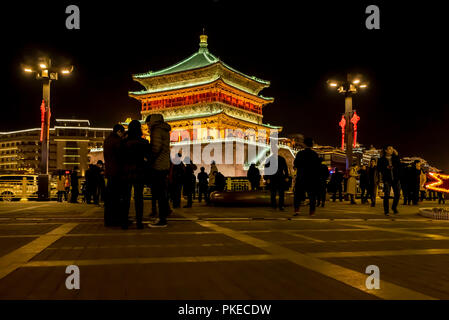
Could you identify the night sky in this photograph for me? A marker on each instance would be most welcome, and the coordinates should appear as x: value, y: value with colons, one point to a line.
x: 296, y: 46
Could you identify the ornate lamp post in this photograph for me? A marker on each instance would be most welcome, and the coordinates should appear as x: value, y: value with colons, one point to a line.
x: 349, y: 120
x: 45, y: 72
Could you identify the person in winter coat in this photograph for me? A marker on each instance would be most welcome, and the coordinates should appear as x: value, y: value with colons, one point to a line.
x: 307, y: 164
x: 253, y: 176
x: 351, y: 188
x: 202, y: 184
x: 276, y: 178
x: 135, y: 151
x: 60, y: 187
x: 160, y: 164
x: 422, y: 185
x: 389, y: 166
x: 213, y: 169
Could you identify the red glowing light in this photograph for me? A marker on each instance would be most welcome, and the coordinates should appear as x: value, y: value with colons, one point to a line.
x: 42, y: 120
x: 342, y: 124
x: 439, y: 183
x: 355, y: 118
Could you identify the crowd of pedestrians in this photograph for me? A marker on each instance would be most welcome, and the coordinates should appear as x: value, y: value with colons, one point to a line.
x: 132, y: 162
x: 312, y: 181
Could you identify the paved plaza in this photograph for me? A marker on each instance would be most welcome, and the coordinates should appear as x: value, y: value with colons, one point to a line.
x: 223, y: 253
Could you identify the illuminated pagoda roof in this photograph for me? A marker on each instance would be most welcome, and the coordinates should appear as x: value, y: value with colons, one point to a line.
x: 203, y: 67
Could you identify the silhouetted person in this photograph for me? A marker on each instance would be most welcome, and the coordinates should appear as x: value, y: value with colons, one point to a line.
x: 414, y: 180
x: 189, y: 181
x: 113, y: 194
x: 363, y: 176
x: 202, y: 184
x: 101, y: 181
x: 277, y: 178
x: 74, y: 181
x: 92, y: 182
x: 404, y: 177
x: 373, y: 181
x: 422, y: 185
x: 176, y: 180
x: 253, y: 176
x: 211, y: 188
x: 336, y: 185
x: 389, y: 169
x: 323, y: 175
x: 135, y: 151
x: 220, y: 181
x: 307, y: 164
x: 160, y: 164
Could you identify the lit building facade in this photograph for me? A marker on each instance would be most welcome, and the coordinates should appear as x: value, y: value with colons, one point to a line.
x: 72, y: 143
x: 207, y: 102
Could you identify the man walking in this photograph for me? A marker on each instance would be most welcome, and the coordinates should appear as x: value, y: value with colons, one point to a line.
x: 307, y: 164
x: 389, y: 168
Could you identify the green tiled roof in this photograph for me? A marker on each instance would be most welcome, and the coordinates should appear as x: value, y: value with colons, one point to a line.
x: 200, y: 59
x: 144, y: 92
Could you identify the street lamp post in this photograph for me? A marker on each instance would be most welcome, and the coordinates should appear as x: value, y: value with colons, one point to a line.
x: 349, y: 87
x: 45, y: 72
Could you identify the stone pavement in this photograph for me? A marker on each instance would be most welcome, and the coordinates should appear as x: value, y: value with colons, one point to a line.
x: 223, y: 253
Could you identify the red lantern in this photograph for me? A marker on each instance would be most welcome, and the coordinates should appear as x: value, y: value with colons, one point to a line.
x: 342, y: 124
x: 42, y: 120
x: 355, y: 118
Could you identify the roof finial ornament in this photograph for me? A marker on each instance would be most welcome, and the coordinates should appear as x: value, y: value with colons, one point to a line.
x: 203, y: 42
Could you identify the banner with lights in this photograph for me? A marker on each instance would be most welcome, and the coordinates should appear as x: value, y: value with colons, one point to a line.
x: 439, y: 183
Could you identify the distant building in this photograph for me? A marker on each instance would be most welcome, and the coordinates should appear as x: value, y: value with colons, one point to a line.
x: 71, y: 143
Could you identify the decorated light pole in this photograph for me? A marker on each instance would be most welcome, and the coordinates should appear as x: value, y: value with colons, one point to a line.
x: 45, y: 72
x: 349, y: 120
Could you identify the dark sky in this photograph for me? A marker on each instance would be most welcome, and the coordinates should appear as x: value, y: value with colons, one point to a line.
x: 297, y: 46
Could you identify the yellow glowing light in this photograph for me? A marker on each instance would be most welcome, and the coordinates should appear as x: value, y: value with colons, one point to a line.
x: 363, y: 86
x: 437, y: 185
x: 65, y: 71
x: 28, y: 70
x: 43, y: 66
x: 356, y: 81
x: 333, y: 84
